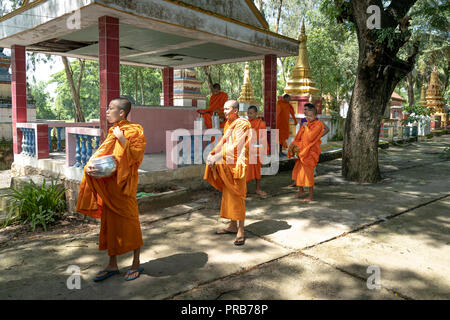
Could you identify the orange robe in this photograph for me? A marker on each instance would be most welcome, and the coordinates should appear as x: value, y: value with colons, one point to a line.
x: 216, y: 103
x: 254, y: 169
x: 113, y: 199
x: 229, y: 176
x: 308, y: 141
x: 282, y: 120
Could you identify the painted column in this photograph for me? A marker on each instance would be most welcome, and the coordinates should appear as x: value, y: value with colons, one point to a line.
x: 270, y: 89
x: 19, y: 93
x: 109, y: 66
x: 168, y: 86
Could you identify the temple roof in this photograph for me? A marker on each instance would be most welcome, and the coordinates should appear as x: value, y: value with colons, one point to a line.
x: 155, y: 33
x: 396, y: 100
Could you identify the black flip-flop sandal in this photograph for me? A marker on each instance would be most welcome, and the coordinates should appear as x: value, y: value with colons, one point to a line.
x: 239, y: 243
x: 225, y: 231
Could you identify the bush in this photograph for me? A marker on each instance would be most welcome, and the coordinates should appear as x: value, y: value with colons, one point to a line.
x: 445, y: 154
x: 429, y: 136
x: 39, y: 205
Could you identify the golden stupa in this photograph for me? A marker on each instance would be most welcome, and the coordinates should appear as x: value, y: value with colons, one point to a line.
x: 301, y: 83
x: 246, y: 95
x: 434, y: 99
x: 423, y: 100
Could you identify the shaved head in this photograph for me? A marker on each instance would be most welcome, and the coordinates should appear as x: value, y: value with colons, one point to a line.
x: 230, y: 107
x: 123, y: 104
x: 232, y: 103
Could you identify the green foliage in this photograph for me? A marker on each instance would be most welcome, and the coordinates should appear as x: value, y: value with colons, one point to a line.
x: 429, y: 136
x: 415, y: 113
x: 143, y: 84
x: 89, y: 95
x: 42, y: 101
x: 39, y: 205
x: 386, y: 35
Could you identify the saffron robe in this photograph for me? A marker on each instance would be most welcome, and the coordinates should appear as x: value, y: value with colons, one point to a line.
x: 229, y: 177
x: 113, y: 199
x: 216, y: 104
x: 308, y: 142
x: 259, y: 138
x: 283, y: 110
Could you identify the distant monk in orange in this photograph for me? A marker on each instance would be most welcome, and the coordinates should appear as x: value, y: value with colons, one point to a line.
x: 113, y: 198
x: 227, y: 167
x: 258, y: 148
x: 216, y: 104
x: 306, y: 149
x: 284, y: 108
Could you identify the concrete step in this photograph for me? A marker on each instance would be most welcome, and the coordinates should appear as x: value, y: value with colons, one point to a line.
x: 158, y: 200
x: 5, y: 202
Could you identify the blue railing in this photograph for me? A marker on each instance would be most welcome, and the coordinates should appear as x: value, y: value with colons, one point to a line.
x: 84, y: 148
x: 60, y: 132
x: 28, y: 142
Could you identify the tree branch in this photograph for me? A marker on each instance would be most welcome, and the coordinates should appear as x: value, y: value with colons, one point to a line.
x: 80, y: 76
x: 399, y: 8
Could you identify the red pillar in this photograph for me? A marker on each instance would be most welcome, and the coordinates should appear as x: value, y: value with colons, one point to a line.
x: 168, y: 86
x: 270, y: 89
x: 19, y: 93
x: 109, y: 66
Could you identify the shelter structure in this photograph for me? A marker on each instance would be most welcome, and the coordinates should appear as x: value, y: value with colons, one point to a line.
x: 166, y: 34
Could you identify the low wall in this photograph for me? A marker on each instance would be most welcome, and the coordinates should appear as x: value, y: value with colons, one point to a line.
x: 157, y: 120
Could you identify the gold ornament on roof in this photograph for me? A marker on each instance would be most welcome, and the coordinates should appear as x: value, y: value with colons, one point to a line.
x: 246, y: 95
x: 301, y: 83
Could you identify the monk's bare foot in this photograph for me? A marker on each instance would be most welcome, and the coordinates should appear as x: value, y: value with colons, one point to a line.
x: 107, y: 268
x: 308, y: 199
x: 292, y: 185
x: 299, y: 194
x: 134, y: 271
x: 227, y: 230
x: 261, y: 193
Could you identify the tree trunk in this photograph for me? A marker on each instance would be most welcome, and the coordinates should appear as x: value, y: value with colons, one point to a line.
x: 142, y: 87
x: 283, y: 61
x: 278, y: 16
x: 379, y: 71
x: 209, y: 81
x: 79, y: 117
x: 410, y: 85
x: 136, y: 98
x: 260, y: 5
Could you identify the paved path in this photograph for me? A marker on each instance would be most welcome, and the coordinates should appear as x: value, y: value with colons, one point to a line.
x: 320, y: 250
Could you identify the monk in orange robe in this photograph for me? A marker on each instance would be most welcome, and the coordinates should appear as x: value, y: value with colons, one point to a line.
x: 226, y: 170
x: 216, y: 104
x: 113, y: 198
x: 306, y: 149
x: 284, y: 108
x: 258, y: 148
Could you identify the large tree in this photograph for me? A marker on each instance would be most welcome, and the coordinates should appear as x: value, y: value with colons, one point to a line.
x: 379, y: 70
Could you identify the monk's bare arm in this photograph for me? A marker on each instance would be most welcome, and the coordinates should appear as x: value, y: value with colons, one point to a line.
x: 325, y: 129
x: 292, y: 112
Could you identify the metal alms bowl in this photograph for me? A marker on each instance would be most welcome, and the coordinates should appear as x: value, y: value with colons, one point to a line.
x: 106, y: 166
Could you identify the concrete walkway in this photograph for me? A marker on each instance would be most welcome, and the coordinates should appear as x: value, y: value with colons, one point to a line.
x: 320, y: 250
